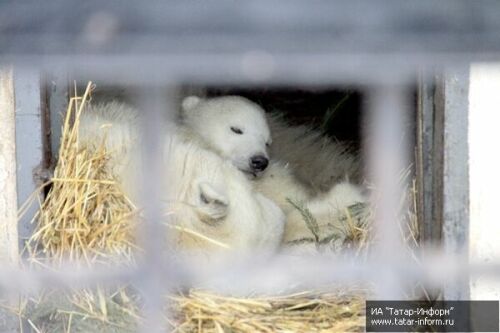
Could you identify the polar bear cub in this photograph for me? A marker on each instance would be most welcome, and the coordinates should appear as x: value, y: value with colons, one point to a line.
x: 329, y: 209
x: 212, y: 206
x: 233, y: 127
x: 237, y: 130
x: 240, y: 131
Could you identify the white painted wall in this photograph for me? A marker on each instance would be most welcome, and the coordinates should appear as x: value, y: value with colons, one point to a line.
x: 8, y: 195
x: 484, y: 144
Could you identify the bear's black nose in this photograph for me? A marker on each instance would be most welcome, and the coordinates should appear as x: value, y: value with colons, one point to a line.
x: 259, y: 163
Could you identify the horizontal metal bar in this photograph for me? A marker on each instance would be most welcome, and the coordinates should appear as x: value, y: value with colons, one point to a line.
x: 255, y: 275
x: 169, y: 27
x: 205, y: 68
x: 28, y: 281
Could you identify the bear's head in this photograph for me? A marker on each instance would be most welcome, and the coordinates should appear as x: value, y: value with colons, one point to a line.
x: 234, y: 127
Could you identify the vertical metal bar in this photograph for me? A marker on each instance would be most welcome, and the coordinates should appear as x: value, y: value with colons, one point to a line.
x: 385, y: 145
x: 29, y: 141
x: 154, y: 106
x: 453, y: 104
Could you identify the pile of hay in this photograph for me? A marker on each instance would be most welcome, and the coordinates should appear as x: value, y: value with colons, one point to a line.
x: 301, y: 312
x: 86, y: 216
x: 118, y: 311
x: 112, y: 310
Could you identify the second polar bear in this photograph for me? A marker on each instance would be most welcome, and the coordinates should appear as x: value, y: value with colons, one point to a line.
x: 237, y: 129
x: 212, y: 206
x: 328, y: 209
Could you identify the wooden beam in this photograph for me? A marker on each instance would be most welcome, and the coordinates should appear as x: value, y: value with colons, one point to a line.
x: 429, y: 227
x: 29, y: 142
x: 56, y: 101
x: 452, y: 169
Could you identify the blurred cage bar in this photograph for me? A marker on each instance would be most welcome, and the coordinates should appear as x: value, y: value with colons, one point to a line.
x: 383, y: 46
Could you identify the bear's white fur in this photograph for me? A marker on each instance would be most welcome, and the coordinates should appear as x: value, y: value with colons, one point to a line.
x: 305, y: 167
x: 316, y: 160
x: 232, y: 126
x: 206, y: 194
x: 279, y: 184
x: 327, y: 209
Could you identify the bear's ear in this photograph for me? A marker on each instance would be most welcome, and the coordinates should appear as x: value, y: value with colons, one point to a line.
x: 213, y: 203
x: 190, y: 103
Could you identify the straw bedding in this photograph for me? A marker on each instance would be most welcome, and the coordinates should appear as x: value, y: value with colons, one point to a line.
x: 86, y: 218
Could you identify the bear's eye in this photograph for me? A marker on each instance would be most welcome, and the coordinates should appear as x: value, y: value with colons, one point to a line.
x: 236, y: 130
x: 268, y: 144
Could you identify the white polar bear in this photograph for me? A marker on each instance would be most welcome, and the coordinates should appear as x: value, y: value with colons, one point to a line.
x: 232, y: 126
x: 316, y: 160
x: 329, y: 209
x: 213, y: 204
x: 237, y: 129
